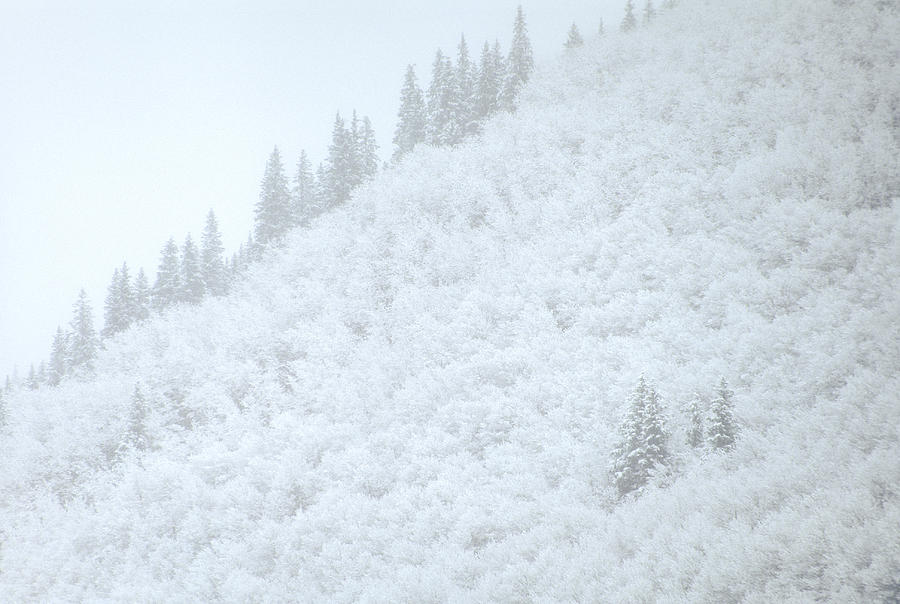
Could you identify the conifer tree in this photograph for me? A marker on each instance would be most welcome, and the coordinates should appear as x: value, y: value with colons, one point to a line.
x: 136, y: 436
x: 722, y: 430
x: 487, y: 89
x: 694, y: 410
x: 273, y: 210
x: 31, y: 382
x: 441, y: 102
x: 629, y: 22
x: 304, y: 193
x: 355, y: 176
x: 191, y: 273
x: 574, y: 40
x: 367, y: 150
x: 649, y: 12
x: 59, y: 358
x: 83, y: 344
x: 520, y: 63
x: 339, y: 164
x: 167, y: 288
x: 600, y: 30
x: 42, y: 373
x: 411, y: 116
x: 321, y: 187
x: 464, y: 117
x: 212, y: 263
x: 643, y: 445
x: 112, y: 308
x: 141, y: 297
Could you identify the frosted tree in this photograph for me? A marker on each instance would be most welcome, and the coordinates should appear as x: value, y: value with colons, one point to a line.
x: 574, y: 40
x: 31, y: 382
x: 112, y: 308
x: 59, y: 358
x: 649, y: 12
x: 464, y: 115
x: 83, y: 338
x: 212, y: 262
x: 191, y: 273
x: 119, y: 307
x: 410, y: 129
x: 643, y: 445
x: 694, y: 411
x: 600, y: 30
x: 354, y: 175
x: 167, y: 288
x: 273, y: 210
x: 136, y: 436
x: 629, y: 22
x: 440, y: 124
x: 489, y: 84
x: 42, y: 373
x: 367, y: 150
x: 520, y: 63
x: 722, y: 430
x: 339, y: 165
x: 141, y: 297
x: 321, y: 187
x: 304, y: 193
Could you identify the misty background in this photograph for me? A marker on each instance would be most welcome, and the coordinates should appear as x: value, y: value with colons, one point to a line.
x: 123, y: 124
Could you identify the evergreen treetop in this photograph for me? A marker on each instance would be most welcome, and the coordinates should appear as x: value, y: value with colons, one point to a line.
x: 574, y: 40
x: 273, y: 210
x: 410, y: 117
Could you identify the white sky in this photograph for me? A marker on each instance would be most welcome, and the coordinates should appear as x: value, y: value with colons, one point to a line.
x: 122, y: 123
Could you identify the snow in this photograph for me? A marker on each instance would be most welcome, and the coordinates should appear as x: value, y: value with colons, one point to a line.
x: 415, y: 398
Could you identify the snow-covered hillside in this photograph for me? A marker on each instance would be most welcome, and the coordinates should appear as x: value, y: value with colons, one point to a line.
x: 415, y: 399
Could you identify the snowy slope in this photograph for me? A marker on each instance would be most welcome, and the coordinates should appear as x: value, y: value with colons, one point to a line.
x: 415, y: 399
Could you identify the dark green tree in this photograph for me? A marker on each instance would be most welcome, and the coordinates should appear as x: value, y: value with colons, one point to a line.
x: 466, y: 122
x: 59, y: 358
x: 520, y: 63
x: 410, y: 117
x: 191, y: 273
x: 574, y: 40
x: 212, y: 262
x: 141, y: 297
x: 273, y: 210
x: 339, y: 165
x: 722, y: 431
x: 167, y: 289
x: 629, y: 22
x: 489, y: 84
x: 643, y: 446
x: 83, y: 339
x: 440, y: 126
x: 303, y: 196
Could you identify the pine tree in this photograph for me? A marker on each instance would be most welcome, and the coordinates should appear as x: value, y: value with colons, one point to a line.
x: 304, y: 193
x: 83, y: 344
x: 574, y: 40
x: 649, y: 12
x: 167, y: 288
x: 600, y: 30
x: 694, y: 410
x: 212, y: 263
x: 441, y: 102
x: 59, y: 358
x: 273, y: 210
x: 339, y: 164
x: 466, y: 122
x: 722, y: 430
x: 112, y: 308
x: 487, y: 89
x: 629, y: 22
x: 411, y: 116
x: 367, y: 150
x: 191, y: 273
x: 42, y: 373
x: 643, y: 446
x: 31, y: 382
x: 323, y: 194
x: 136, y: 437
x: 355, y: 176
x: 520, y: 63
x: 141, y: 297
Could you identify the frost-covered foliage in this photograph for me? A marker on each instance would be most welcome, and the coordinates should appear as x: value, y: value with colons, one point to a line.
x: 416, y: 397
